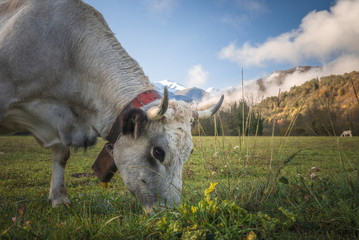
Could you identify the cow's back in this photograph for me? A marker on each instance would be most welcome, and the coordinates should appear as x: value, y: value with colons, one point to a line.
x: 61, y: 66
x: 35, y: 47
x: 36, y: 53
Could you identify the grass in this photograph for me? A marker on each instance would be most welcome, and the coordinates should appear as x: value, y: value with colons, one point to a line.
x: 265, y: 191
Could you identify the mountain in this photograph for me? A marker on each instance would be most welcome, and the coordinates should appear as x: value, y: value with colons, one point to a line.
x: 171, y: 86
x: 280, y: 78
x: 196, y: 94
x: 325, y: 106
x: 255, y: 90
x: 179, y: 92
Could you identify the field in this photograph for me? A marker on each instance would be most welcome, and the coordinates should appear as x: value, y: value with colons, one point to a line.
x: 268, y: 188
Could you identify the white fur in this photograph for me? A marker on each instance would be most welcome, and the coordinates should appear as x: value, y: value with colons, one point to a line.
x: 164, y: 180
x: 347, y: 133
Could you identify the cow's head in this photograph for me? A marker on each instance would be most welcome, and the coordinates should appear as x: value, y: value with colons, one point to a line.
x: 155, y: 143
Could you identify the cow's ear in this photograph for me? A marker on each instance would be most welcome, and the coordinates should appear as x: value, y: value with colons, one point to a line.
x: 134, y: 123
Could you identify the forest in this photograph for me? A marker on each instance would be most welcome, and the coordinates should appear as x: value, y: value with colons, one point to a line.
x: 319, y: 107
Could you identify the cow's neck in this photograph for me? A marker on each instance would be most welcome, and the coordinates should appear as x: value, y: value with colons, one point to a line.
x: 112, y: 77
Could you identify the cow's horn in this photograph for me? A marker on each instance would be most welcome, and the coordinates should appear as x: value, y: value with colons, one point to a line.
x: 208, y: 112
x: 156, y: 113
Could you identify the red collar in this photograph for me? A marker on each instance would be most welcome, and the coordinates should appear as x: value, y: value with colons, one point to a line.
x: 139, y: 101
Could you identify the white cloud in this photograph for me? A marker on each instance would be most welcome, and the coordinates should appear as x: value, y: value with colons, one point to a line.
x: 322, y: 36
x: 197, y: 76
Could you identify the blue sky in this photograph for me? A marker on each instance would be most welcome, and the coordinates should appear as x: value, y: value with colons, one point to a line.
x: 205, y: 43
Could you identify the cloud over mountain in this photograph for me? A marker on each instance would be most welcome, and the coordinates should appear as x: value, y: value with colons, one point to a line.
x: 197, y: 76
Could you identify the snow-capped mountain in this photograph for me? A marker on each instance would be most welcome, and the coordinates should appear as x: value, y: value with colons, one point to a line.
x: 255, y: 89
x: 179, y: 92
x: 196, y: 94
x: 171, y: 86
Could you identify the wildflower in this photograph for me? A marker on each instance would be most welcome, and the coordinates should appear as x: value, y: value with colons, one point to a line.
x: 184, y: 208
x: 213, y: 206
x: 208, y: 191
x: 193, y: 209
x: 194, y: 227
x: 162, y: 222
x: 201, y: 205
x: 251, y: 236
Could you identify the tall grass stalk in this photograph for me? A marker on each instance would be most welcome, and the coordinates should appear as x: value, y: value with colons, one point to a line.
x: 215, y: 132
x: 273, y: 128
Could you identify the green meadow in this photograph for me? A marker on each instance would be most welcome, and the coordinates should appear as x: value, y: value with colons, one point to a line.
x: 233, y: 188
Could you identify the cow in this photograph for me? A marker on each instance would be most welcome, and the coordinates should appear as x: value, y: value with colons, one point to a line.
x: 347, y: 133
x: 66, y: 79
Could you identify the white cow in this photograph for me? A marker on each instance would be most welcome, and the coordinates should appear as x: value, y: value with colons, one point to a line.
x: 347, y: 133
x: 66, y: 79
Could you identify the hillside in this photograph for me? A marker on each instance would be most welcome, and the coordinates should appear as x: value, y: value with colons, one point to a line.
x: 319, y: 107
x: 325, y: 106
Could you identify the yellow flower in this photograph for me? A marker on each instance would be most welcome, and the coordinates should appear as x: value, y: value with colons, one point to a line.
x: 208, y: 191
x: 194, y: 227
x: 162, y: 222
x: 251, y: 236
x: 194, y: 209
x: 183, y: 208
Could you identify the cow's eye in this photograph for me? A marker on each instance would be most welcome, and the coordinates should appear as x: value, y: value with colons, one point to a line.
x: 158, y: 153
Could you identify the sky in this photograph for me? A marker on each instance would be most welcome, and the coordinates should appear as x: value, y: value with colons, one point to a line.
x: 206, y: 43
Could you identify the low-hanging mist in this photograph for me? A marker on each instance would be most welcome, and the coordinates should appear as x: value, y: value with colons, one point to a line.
x: 257, y: 89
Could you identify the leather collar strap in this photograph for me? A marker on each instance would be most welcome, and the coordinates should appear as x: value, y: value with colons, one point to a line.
x: 139, y: 101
